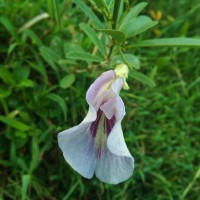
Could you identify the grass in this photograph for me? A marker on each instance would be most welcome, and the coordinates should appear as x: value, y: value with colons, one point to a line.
x: 161, y: 126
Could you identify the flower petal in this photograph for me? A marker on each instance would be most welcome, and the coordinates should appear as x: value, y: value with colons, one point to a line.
x: 78, y: 149
x: 117, y: 164
x: 108, y: 107
x: 115, y: 142
x: 113, y: 169
x: 99, y: 85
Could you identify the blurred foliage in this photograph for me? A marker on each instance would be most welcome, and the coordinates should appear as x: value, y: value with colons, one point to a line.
x: 42, y: 93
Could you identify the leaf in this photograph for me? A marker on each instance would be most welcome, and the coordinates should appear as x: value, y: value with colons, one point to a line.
x: 35, y: 153
x: 14, y: 123
x: 110, y: 5
x: 6, y: 76
x: 134, y: 12
x: 12, y: 47
x: 119, y: 36
x: 40, y: 68
x: 31, y: 34
x: 132, y: 60
x: 25, y: 183
x: 49, y: 56
x: 169, y: 42
x: 96, y: 22
x: 60, y: 101
x: 67, y: 81
x: 26, y: 83
x: 143, y: 78
x: 93, y: 36
x: 138, y: 25
x: 9, y: 26
x: 21, y: 73
x: 83, y: 56
x: 4, y: 92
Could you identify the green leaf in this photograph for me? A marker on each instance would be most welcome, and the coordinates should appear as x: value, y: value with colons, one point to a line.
x: 93, y: 36
x: 132, y: 60
x: 83, y: 56
x: 119, y: 36
x: 40, y: 68
x: 138, y: 25
x: 60, y: 101
x: 67, y: 81
x: 31, y: 34
x: 21, y: 73
x: 14, y: 123
x: 49, y: 56
x: 169, y: 42
x: 132, y: 13
x: 25, y: 183
x: 35, y: 153
x: 6, y: 76
x: 4, y: 91
x: 143, y: 78
x: 110, y: 5
x: 66, y: 61
x: 26, y: 83
x: 9, y: 26
x: 96, y: 22
x: 12, y: 47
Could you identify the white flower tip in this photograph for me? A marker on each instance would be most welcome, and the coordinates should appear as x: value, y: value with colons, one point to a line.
x: 122, y: 70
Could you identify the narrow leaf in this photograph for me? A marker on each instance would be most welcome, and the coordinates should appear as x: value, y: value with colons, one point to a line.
x: 25, y: 183
x: 93, y: 36
x: 49, y: 56
x: 9, y: 26
x: 83, y: 56
x: 35, y: 154
x: 60, y: 101
x: 143, y: 78
x: 31, y: 34
x: 14, y: 123
x: 169, y: 42
x: 89, y: 13
x: 132, y: 13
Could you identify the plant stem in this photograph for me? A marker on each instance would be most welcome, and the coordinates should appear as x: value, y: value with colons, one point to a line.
x: 123, y: 57
x: 115, y: 13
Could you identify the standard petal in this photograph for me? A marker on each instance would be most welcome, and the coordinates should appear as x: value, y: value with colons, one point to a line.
x: 114, y: 169
x: 99, y: 86
x: 78, y: 149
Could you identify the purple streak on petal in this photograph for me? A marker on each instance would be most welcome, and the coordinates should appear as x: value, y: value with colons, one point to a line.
x: 94, y: 124
x: 109, y: 124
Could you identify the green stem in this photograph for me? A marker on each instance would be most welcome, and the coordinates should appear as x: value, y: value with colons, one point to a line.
x: 116, y: 12
x: 123, y: 57
x: 110, y: 52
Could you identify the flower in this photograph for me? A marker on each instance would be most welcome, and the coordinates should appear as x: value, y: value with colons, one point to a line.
x: 97, y: 144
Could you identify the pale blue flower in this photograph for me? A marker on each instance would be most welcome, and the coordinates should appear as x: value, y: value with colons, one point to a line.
x: 97, y: 144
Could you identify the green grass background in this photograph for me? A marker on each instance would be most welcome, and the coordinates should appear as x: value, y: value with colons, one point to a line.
x: 161, y: 127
